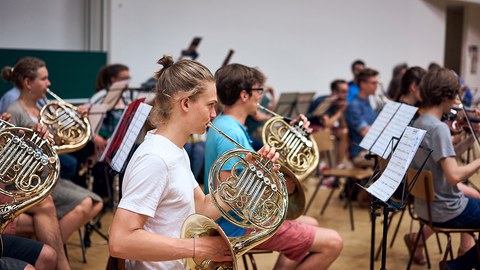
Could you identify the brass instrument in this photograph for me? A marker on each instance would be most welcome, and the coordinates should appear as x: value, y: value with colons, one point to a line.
x: 71, y: 130
x: 29, y: 169
x: 256, y: 195
x: 297, y: 149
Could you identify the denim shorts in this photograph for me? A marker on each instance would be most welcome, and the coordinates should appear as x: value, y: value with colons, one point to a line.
x: 468, y: 219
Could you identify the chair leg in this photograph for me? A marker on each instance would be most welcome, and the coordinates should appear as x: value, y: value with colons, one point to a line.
x: 329, y: 197
x: 425, y: 248
x: 82, y: 245
x: 439, y: 244
x: 397, y: 228
x: 245, y: 264
x: 412, y: 252
x: 313, y: 195
x: 252, y: 260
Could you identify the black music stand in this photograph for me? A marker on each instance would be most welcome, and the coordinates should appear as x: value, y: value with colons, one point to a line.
x: 390, y: 205
x: 293, y: 104
x: 96, y: 116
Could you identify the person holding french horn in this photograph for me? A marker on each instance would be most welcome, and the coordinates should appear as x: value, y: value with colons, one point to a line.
x: 75, y: 206
x: 302, y: 245
x: 159, y: 189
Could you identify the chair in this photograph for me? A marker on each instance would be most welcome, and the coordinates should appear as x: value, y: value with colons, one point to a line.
x: 250, y: 254
x: 326, y: 148
x: 423, y: 190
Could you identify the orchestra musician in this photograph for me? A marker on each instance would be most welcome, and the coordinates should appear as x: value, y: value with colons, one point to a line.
x: 302, y: 246
x: 39, y: 221
x: 451, y: 208
x: 409, y: 93
x: 75, y: 205
x: 159, y: 189
x: 329, y: 112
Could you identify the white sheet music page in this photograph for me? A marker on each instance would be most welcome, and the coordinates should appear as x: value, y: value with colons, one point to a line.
x: 134, y: 128
x: 403, y: 155
x: 379, y: 125
x: 395, y: 128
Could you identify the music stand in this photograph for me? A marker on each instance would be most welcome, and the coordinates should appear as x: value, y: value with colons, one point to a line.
x: 390, y: 180
x: 293, y: 104
x: 285, y: 104
x: 96, y: 115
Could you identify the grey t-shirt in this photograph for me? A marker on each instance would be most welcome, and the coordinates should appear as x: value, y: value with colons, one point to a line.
x: 449, y: 201
x: 20, y: 116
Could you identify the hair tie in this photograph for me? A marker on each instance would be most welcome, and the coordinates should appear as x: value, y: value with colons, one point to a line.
x: 168, y: 64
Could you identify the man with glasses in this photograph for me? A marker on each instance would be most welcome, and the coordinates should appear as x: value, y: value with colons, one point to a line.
x: 301, y: 243
x: 254, y: 123
x: 360, y: 114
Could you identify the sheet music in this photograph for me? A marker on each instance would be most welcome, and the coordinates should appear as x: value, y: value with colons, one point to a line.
x: 395, y: 171
x: 395, y: 128
x: 379, y: 125
x: 131, y: 136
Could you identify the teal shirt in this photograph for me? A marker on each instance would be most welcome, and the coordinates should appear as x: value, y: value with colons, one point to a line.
x: 215, y: 145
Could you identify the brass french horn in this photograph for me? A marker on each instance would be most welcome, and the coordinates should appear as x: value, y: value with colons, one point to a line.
x: 297, y: 149
x: 71, y: 131
x: 29, y: 169
x: 256, y: 199
x: 299, y: 156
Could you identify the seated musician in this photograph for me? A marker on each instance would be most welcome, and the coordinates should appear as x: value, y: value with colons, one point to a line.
x: 39, y: 221
x: 360, y: 115
x: 450, y: 208
x: 75, y: 205
x: 159, y: 189
x: 239, y: 89
x: 409, y: 93
x: 329, y: 112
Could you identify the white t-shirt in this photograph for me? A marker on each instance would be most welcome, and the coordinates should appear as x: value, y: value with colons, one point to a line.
x: 158, y: 183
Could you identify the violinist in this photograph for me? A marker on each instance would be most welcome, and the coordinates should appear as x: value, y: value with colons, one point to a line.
x: 453, y: 206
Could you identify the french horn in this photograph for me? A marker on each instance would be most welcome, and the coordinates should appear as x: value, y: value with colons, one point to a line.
x: 298, y: 153
x: 29, y: 170
x: 71, y: 131
x: 297, y: 149
x: 256, y: 199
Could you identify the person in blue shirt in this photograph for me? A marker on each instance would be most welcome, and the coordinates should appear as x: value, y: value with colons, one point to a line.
x: 360, y: 114
x: 353, y: 87
x: 240, y: 89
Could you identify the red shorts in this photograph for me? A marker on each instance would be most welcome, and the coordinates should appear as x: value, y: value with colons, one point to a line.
x: 293, y: 239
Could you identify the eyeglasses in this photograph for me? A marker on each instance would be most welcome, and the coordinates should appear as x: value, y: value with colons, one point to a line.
x: 259, y: 90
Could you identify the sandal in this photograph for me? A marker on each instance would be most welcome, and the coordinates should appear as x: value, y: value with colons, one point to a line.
x: 418, y: 259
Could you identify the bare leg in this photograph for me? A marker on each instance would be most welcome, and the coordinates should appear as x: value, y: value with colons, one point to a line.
x: 47, y: 259
x: 325, y: 249
x: 41, y: 221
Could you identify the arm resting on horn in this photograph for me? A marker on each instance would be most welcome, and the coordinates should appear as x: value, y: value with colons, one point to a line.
x: 129, y: 240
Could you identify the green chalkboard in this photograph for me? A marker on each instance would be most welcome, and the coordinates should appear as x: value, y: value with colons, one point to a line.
x: 72, y: 73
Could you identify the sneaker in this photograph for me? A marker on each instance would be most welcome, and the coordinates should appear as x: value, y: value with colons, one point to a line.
x: 328, y: 182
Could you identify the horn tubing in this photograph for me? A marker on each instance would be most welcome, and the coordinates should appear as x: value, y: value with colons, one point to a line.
x: 268, y: 110
x: 55, y: 95
x: 225, y: 135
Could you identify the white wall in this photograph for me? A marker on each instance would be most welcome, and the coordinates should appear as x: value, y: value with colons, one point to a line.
x: 471, y: 37
x: 300, y: 45
x: 43, y: 25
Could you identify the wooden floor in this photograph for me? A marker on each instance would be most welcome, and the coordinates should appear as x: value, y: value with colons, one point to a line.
x: 355, y: 254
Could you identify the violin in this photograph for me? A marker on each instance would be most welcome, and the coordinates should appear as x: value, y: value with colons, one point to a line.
x: 458, y: 123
